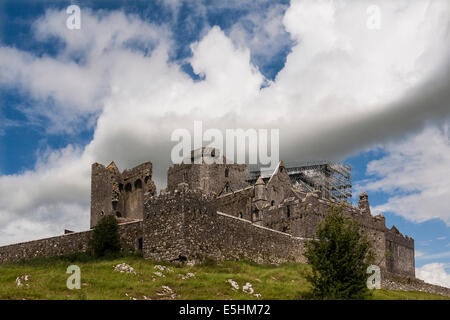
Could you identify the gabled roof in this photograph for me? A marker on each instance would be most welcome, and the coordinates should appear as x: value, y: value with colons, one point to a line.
x: 277, y: 170
x: 113, y: 168
x: 394, y: 228
x: 259, y: 181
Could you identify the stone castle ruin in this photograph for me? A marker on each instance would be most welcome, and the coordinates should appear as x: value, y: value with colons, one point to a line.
x: 224, y: 211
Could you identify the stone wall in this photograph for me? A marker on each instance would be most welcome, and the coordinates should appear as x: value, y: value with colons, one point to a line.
x: 163, y: 226
x: 101, y: 193
x: 228, y: 237
x: 238, y: 204
x: 299, y: 214
x: 391, y: 281
x: 130, y: 233
x: 185, y: 225
x: 210, y: 178
x: 400, y: 253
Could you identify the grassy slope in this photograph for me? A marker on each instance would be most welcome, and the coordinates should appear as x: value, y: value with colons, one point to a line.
x: 99, y: 281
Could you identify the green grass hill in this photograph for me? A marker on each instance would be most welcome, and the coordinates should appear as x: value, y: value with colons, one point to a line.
x: 209, y: 280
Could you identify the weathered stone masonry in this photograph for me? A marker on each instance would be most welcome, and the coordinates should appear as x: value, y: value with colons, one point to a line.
x: 185, y: 225
x: 130, y: 235
x: 209, y: 210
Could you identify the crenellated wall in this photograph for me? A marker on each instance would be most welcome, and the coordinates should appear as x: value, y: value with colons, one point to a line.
x: 399, y: 253
x: 212, y: 178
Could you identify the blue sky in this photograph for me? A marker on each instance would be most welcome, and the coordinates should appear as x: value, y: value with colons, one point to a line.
x: 316, y: 72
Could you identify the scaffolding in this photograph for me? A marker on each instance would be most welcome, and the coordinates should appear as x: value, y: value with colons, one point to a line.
x: 331, y: 178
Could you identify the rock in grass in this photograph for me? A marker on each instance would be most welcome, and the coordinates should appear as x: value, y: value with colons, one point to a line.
x: 124, y: 268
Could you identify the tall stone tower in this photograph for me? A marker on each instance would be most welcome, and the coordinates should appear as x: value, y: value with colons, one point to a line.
x: 121, y: 194
x: 363, y: 203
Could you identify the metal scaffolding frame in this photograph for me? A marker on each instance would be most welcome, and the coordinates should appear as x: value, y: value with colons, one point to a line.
x: 331, y: 178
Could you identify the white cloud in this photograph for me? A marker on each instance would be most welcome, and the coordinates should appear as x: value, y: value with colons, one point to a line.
x: 73, y: 84
x: 44, y: 201
x: 263, y: 33
x: 333, y: 96
x: 415, y: 173
x: 434, y: 273
x: 434, y: 256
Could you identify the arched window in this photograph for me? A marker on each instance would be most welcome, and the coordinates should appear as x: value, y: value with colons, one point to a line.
x: 240, y: 215
x: 227, y: 172
x: 128, y: 187
x: 138, y: 184
x: 272, y: 203
x: 147, y: 178
x: 120, y: 187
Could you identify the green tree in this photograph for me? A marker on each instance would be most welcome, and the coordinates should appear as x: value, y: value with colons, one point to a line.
x: 339, y: 256
x: 106, y: 239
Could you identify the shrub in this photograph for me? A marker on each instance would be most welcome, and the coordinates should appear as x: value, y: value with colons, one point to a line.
x: 339, y: 256
x: 106, y: 240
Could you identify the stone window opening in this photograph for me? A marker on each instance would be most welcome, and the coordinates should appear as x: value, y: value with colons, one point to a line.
x: 118, y: 214
x: 227, y: 172
x: 272, y: 203
x: 288, y: 211
x: 240, y: 215
x: 120, y: 186
x: 285, y: 229
x: 128, y: 187
x: 138, y: 184
x: 147, y: 178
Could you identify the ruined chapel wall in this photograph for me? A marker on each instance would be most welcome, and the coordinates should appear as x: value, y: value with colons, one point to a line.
x: 279, y: 187
x: 119, y: 194
x: 135, y: 183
